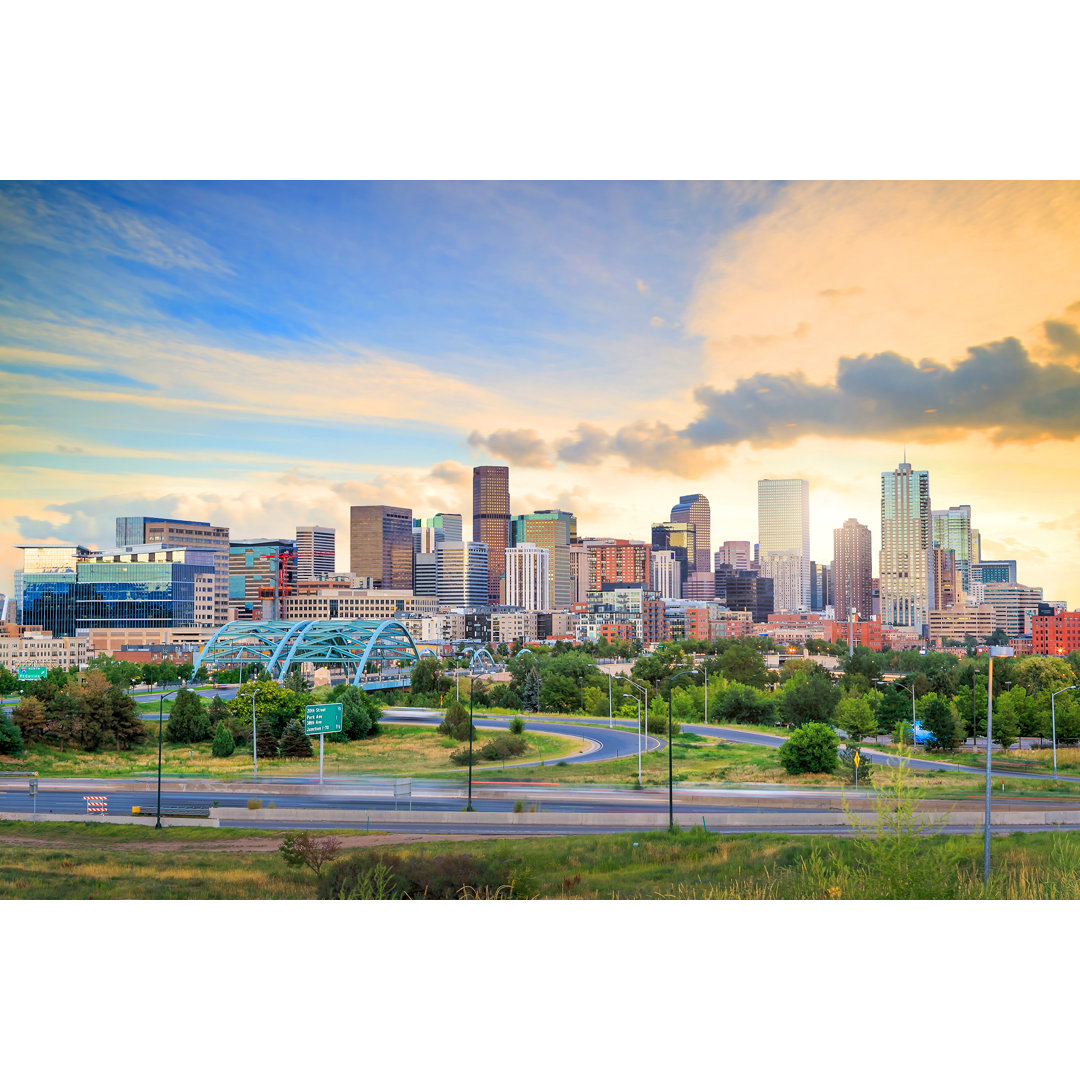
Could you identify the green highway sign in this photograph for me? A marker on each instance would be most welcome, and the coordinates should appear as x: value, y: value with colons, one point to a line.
x: 32, y: 674
x: 322, y: 719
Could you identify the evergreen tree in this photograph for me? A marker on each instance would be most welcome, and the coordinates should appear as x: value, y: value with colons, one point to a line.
x: 359, y: 713
x: 224, y: 744
x: 29, y: 714
x: 939, y: 717
x: 295, y: 681
x: 294, y: 743
x: 265, y: 741
x: 530, y: 697
x: 456, y: 722
x: 11, y: 743
x: 188, y: 721
x: 124, y: 723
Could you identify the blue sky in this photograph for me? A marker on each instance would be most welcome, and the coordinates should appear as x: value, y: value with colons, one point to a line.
x: 264, y: 354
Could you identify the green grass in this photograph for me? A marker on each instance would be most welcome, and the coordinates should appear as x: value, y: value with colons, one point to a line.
x: 79, y: 861
x: 403, y: 749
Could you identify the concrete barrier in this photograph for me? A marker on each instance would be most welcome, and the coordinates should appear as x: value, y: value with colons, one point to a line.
x: 111, y: 819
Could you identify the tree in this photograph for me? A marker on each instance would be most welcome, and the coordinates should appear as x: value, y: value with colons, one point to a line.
x: 294, y: 681
x: 740, y: 704
x: 9, y: 681
x: 854, y: 716
x: 863, y: 661
x: 11, y: 743
x: 846, y: 758
x: 1038, y: 673
x: 266, y: 744
x: 224, y: 744
x: 744, y: 664
x: 808, y: 699
x: 939, y: 717
x: 425, y: 675
x: 125, y: 727
x: 998, y: 637
x: 894, y: 707
x: 94, y: 709
x: 168, y: 672
x: 188, y: 720
x: 306, y: 849
x: 530, y: 697
x: 1010, y: 714
x: 294, y: 743
x: 456, y: 722
x: 360, y: 713
x: 29, y: 714
x: 559, y: 693
x: 811, y: 749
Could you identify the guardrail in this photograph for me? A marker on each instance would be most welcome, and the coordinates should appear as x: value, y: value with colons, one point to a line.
x: 171, y: 811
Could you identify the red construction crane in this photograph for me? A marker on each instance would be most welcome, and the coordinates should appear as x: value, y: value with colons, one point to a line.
x: 281, y: 579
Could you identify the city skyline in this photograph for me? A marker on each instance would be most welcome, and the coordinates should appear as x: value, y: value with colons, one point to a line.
x: 261, y: 356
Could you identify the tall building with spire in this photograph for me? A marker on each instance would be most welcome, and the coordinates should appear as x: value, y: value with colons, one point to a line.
x: 905, y: 562
x: 491, y: 520
x: 694, y: 510
x: 784, y: 541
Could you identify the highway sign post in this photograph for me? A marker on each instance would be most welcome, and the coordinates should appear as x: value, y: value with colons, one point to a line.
x: 322, y: 720
x: 857, y: 760
x: 32, y: 674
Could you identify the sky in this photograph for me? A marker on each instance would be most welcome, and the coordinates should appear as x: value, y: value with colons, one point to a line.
x: 263, y: 355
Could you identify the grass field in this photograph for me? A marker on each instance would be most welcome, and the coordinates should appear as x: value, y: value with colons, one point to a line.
x: 81, y: 861
x: 402, y: 749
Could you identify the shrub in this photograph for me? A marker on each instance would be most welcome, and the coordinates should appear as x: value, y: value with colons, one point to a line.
x: 448, y: 876
x: 517, y: 726
x: 460, y: 756
x: 811, y: 749
x: 504, y: 745
x: 847, y: 765
x: 254, y: 804
x: 658, y: 725
x: 11, y: 742
x: 306, y: 849
x: 519, y: 806
x: 224, y: 744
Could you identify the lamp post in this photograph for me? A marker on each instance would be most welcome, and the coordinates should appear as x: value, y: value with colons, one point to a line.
x: 472, y: 679
x: 581, y: 683
x: 1000, y: 651
x: 1053, y: 723
x: 160, y: 715
x: 670, y: 771
x: 645, y: 690
x: 254, y: 737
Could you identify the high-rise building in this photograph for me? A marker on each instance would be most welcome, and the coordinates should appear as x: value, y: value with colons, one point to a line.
x: 449, y: 523
x: 142, y: 585
x: 699, y: 586
x: 905, y: 565
x: 951, y: 531
x: 1015, y: 606
x: 253, y: 579
x: 463, y: 573
x: 694, y: 509
x: 315, y: 552
x: 976, y: 546
x: 381, y: 545
x: 666, y: 574
x: 738, y: 554
x: 135, y: 531
x: 570, y: 519
x: 821, y: 586
x: 528, y: 582
x: 427, y: 532
x: 491, y: 519
x: 946, y: 577
x: 45, y: 587
x: 680, y: 537
x: 579, y: 573
x: 617, y: 562
x: 745, y: 591
x: 550, y: 529
x: 425, y: 573
x: 852, y: 571
x: 784, y: 540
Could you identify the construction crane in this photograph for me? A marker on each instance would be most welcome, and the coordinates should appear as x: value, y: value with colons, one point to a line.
x: 281, y: 578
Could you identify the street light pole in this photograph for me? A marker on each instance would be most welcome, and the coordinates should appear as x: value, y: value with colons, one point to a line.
x: 254, y: 738
x: 1002, y: 651
x: 160, y: 714
x: 645, y: 690
x: 472, y: 679
x: 670, y: 771
x: 1053, y: 723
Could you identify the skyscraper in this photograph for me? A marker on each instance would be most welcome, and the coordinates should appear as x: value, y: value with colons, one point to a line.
x: 666, y: 574
x: 462, y: 573
x: 550, y: 529
x: 738, y: 554
x: 784, y: 541
x: 309, y: 540
x: 905, y: 566
x: 491, y: 519
x: 680, y: 537
x: 852, y: 570
x: 695, y: 510
x: 381, y: 545
x: 951, y: 530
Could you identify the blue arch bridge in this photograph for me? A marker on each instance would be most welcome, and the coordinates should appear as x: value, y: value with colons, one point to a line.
x: 374, y: 654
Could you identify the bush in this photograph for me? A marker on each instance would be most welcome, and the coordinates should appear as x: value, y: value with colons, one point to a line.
x: 306, y: 849
x: 11, y: 742
x: 504, y: 745
x: 517, y: 726
x: 658, y: 725
x: 811, y: 749
x: 254, y: 804
x: 414, y: 877
x: 224, y: 744
x: 847, y: 765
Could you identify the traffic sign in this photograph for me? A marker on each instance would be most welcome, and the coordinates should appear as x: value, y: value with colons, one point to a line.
x: 322, y: 719
x: 32, y: 674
